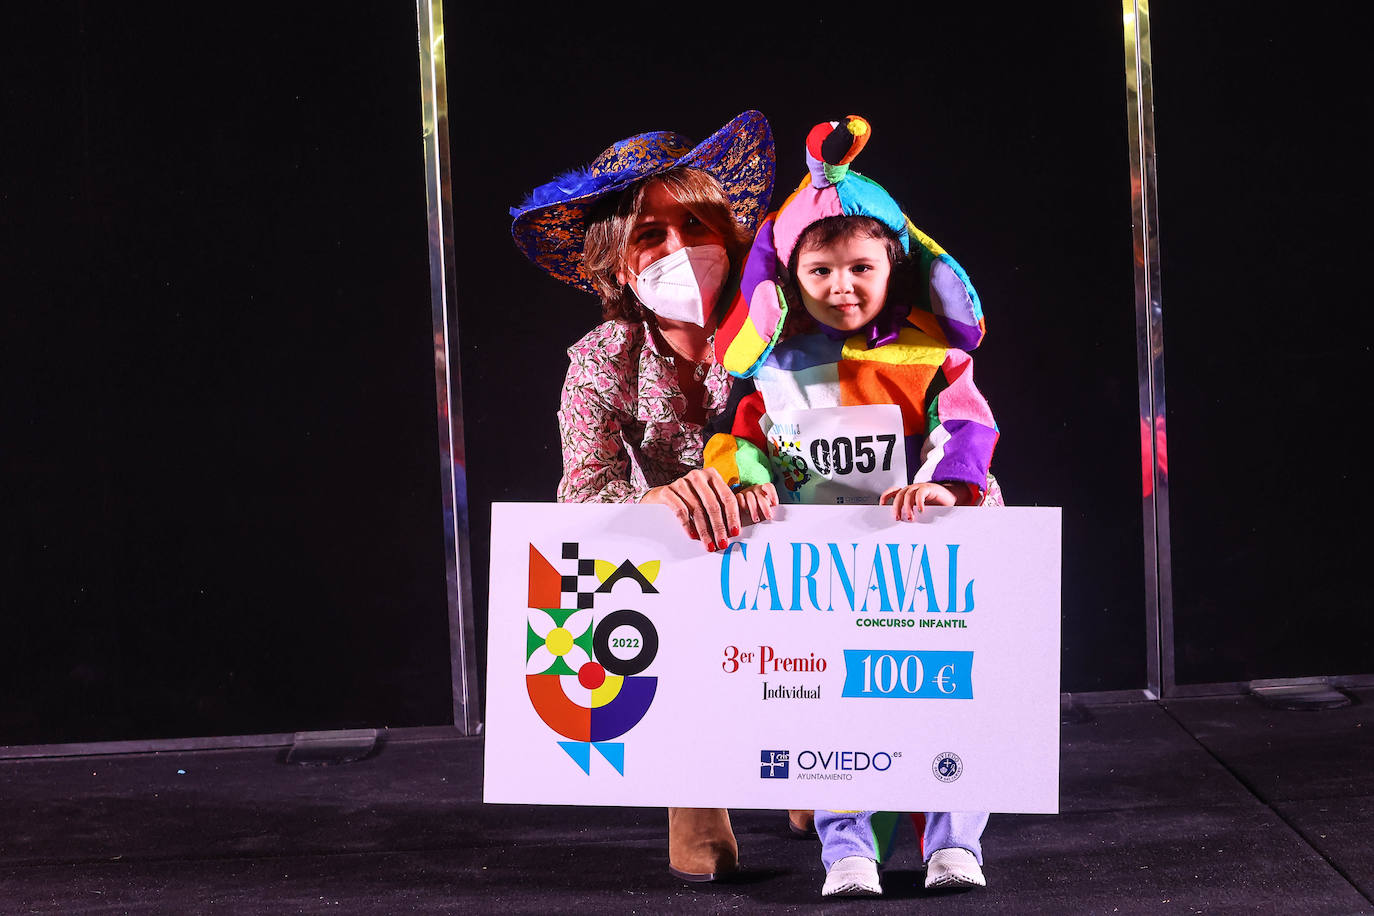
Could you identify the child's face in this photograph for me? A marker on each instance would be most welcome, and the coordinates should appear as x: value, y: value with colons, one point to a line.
x: 844, y: 284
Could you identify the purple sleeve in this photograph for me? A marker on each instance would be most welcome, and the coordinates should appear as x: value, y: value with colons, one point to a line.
x: 962, y: 433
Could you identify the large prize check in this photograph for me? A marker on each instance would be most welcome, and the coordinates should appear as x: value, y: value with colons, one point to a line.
x: 831, y: 658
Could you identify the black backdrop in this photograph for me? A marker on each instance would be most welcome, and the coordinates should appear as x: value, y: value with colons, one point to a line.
x: 220, y: 440
x: 221, y: 503
x: 1005, y: 140
x: 1264, y: 203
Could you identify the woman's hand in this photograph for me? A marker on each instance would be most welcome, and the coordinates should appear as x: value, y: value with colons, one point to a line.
x: 703, y: 504
x: 917, y: 496
x: 758, y: 500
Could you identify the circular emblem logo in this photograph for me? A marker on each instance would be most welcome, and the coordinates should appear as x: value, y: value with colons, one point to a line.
x: 947, y: 766
x: 647, y: 649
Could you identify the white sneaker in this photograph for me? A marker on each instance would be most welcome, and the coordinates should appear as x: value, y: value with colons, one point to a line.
x: 852, y: 876
x: 952, y: 868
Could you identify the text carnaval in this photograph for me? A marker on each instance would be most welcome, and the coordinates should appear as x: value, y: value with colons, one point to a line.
x: 894, y: 578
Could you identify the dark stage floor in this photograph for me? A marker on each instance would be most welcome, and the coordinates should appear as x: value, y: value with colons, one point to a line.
x: 1193, y: 806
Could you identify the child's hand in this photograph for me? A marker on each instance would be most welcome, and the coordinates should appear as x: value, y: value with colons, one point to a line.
x: 917, y: 495
x: 757, y: 500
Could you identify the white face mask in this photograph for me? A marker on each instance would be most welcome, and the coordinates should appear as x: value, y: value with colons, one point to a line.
x: 680, y: 285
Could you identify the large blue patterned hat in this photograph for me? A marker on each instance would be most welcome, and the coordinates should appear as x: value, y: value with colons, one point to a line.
x: 551, y: 224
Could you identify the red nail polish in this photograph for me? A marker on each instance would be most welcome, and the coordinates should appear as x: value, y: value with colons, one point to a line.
x: 724, y: 544
x: 734, y: 532
x: 710, y: 546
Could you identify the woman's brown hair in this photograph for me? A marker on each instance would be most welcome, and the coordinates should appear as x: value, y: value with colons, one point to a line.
x: 612, y: 219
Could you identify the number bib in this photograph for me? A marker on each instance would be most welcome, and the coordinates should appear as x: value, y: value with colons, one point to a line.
x: 837, y: 455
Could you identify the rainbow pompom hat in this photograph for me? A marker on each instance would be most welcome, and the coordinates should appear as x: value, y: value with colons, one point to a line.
x: 947, y: 308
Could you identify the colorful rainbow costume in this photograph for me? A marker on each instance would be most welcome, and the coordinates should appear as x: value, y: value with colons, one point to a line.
x: 913, y: 355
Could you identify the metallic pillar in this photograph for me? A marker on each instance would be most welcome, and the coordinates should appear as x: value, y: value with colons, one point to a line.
x: 447, y: 379
x: 1149, y: 348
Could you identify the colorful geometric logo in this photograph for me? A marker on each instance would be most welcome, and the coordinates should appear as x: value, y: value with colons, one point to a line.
x: 583, y: 674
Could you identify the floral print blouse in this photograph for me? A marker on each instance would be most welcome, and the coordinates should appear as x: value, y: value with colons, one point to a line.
x: 621, y: 416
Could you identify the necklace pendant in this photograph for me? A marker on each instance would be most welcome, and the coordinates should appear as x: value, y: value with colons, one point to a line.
x: 699, y: 372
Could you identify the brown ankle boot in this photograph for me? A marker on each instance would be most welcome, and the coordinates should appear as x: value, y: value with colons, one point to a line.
x: 701, y: 845
x: 803, y: 823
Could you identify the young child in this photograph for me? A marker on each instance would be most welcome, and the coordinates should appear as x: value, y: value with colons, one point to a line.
x: 868, y: 398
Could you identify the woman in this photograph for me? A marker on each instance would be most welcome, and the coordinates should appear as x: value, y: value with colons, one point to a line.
x: 657, y: 228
